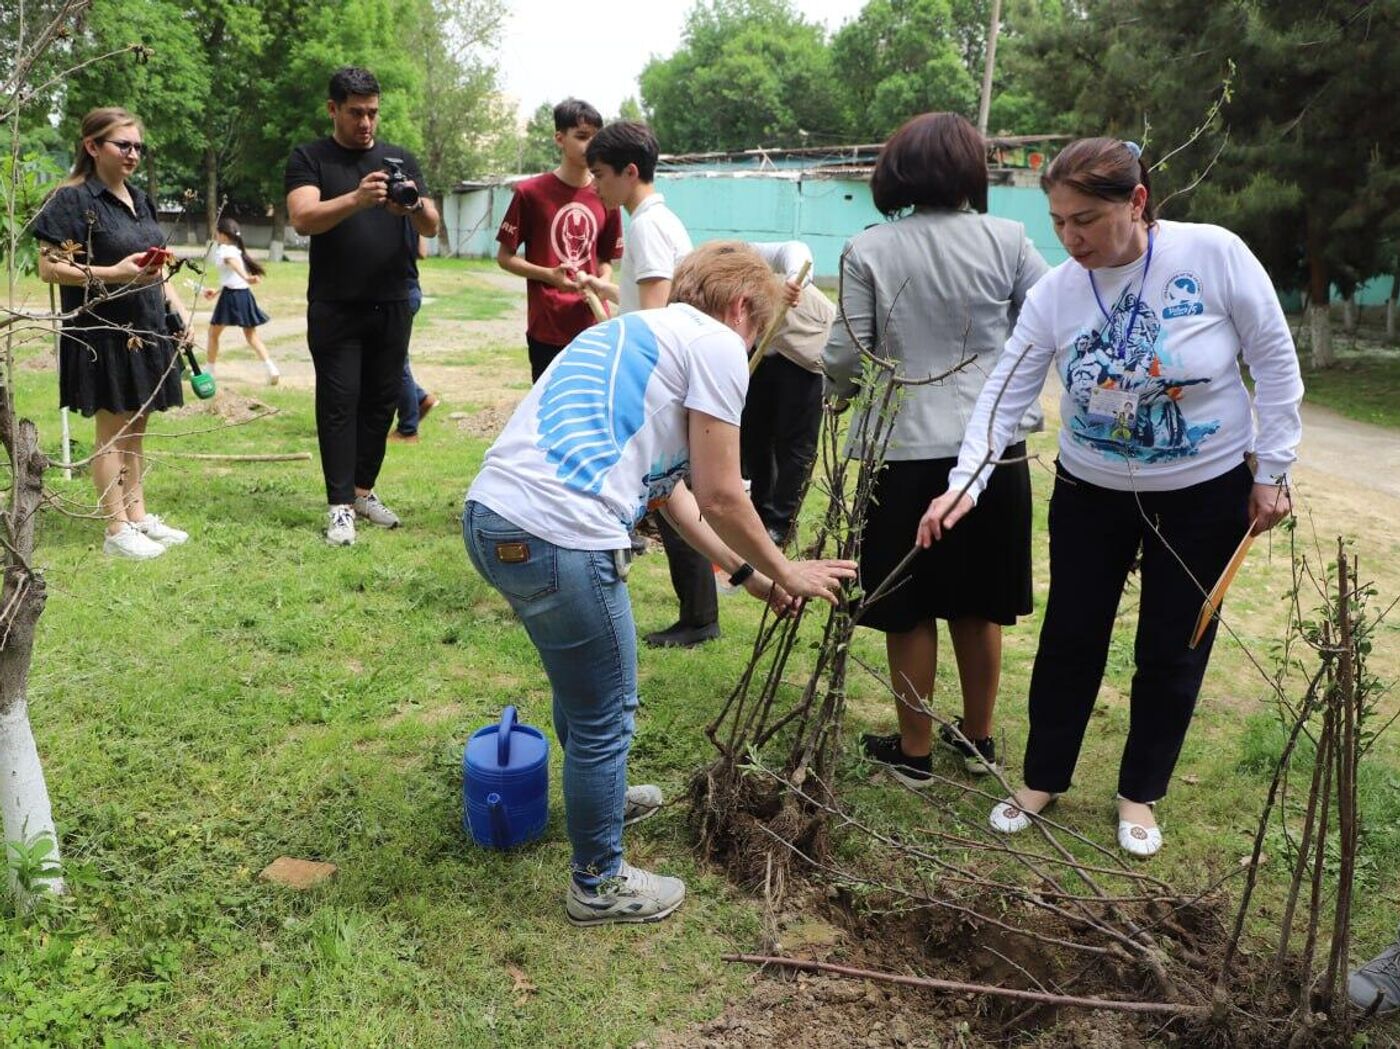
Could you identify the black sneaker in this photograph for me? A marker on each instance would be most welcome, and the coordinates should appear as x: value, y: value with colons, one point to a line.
x: 912, y: 772
x: 679, y: 636
x: 979, y: 761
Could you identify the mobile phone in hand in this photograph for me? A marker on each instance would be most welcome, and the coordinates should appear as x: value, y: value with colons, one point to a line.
x: 154, y: 256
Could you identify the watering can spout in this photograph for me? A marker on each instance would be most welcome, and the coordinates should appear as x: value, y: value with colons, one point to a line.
x: 500, y: 825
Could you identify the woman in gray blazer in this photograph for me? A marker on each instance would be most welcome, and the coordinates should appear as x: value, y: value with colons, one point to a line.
x: 939, y: 285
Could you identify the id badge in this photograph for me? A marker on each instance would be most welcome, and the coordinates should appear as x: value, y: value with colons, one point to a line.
x: 1113, y: 408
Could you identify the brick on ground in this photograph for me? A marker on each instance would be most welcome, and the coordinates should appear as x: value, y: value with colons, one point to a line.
x: 298, y: 874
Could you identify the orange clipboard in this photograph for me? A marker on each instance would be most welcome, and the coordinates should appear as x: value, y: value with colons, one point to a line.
x: 1211, y: 607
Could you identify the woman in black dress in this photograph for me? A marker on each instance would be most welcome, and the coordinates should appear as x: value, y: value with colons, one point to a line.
x: 116, y: 359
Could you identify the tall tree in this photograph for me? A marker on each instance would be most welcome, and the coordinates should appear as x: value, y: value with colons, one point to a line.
x: 537, y: 149
x: 1300, y: 82
x: 748, y: 73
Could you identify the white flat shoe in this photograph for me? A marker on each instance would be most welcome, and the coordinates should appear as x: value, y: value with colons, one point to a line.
x: 1009, y: 818
x: 1138, y: 840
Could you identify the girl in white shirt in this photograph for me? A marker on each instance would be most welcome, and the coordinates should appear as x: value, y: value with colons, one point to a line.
x: 236, y: 306
x: 1159, y: 453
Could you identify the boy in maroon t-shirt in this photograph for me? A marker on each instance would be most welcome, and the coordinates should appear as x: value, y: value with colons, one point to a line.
x: 566, y: 231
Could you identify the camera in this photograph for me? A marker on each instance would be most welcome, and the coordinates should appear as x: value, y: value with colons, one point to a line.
x: 401, y: 189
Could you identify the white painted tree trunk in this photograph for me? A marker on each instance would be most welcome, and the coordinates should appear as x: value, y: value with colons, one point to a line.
x: 24, y: 796
x: 1390, y: 310
x: 25, y: 813
x: 1320, y: 335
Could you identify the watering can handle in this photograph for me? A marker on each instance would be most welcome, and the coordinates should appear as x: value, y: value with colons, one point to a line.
x: 508, y: 720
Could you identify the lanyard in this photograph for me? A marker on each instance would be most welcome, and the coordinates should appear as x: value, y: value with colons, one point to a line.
x: 1122, y: 349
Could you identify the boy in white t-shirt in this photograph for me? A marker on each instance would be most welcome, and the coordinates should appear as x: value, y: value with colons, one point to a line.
x: 622, y: 158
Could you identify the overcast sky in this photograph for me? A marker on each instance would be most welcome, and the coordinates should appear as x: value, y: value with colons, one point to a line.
x: 555, y: 48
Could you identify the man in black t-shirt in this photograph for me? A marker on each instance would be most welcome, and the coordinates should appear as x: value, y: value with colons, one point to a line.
x: 358, y: 317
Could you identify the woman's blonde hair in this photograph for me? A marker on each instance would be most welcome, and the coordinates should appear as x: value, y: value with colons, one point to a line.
x: 96, y: 124
x: 716, y: 275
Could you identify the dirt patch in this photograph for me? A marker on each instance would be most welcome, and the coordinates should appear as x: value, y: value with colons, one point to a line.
x: 486, y: 423
x: 229, y: 405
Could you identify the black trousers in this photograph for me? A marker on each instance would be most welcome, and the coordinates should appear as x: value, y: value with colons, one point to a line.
x: 692, y: 578
x: 541, y: 353
x: 358, y: 350
x: 1095, y: 533
x: 778, y: 437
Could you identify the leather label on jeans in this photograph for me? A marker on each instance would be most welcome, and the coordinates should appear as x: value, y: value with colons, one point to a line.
x: 512, y: 553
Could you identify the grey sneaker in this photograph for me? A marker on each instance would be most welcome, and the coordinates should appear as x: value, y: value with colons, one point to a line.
x: 1377, y: 981
x: 631, y: 895
x: 340, y: 525
x: 372, y: 510
x: 643, y: 801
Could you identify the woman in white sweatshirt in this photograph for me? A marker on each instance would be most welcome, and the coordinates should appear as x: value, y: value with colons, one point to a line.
x: 1159, y: 453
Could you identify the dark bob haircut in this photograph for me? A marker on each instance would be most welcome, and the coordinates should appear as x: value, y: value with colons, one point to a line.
x: 936, y: 160
x: 1107, y: 168
x: 352, y: 80
x: 625, y: 142
x: 572, y: 112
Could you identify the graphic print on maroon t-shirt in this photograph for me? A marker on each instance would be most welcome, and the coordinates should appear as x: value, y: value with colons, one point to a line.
x: 559, y: 224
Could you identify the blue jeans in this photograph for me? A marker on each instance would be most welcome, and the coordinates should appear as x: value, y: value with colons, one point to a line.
x: 410, y: 396
x: 410, y: 393
x: 576, y: 609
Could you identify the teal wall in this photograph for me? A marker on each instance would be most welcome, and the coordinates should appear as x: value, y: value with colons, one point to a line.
x: 822, y: 212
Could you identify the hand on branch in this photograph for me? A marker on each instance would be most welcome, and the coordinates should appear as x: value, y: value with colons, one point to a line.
x: 778, y: 599
x: 819, y: 578
x: 1268, y: 505
x: 944, y: 512
x: 565, y: 278
x: 792, y: 291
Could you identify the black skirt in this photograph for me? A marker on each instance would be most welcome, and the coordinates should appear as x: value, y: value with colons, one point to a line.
x: 980, y: 569
x: 237, y: 308
x: 108, y: 371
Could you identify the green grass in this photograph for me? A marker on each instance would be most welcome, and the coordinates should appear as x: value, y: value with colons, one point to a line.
x: 256, y: 694
x: 1363, y: 385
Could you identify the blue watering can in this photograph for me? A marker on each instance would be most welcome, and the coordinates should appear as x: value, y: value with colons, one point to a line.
x: 505, y: 783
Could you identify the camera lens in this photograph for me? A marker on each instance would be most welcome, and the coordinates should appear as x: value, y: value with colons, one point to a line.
x: 404, y: 194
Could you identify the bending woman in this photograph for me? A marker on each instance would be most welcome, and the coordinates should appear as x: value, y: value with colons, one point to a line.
x: 940, y: 284
x: 1145, y: 325
x: 116, y: 360
x: 620, y: 417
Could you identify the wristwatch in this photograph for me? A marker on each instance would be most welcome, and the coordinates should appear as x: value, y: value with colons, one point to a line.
x: 741, y: 574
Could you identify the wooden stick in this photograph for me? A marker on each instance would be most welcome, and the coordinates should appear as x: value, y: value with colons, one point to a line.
x: 956, y: 987
x: 1211, y: 606
x: 277, y: 457
x: 595, y: 304
x: 776, y: 323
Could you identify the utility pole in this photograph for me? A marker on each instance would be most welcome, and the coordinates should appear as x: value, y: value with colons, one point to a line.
x: 984, y: 109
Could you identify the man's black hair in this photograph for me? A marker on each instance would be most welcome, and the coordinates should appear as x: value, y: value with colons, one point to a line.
x: 352, y: 80
x: 625, y: 142
x: 572, y: 112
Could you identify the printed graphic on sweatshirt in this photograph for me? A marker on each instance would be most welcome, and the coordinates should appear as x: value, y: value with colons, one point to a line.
x: 1160, y: 430
x: 595, y: 401
x: 1182, y: 297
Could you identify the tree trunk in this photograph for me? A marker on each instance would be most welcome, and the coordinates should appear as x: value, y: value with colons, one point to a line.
x: 1349, y: 312
x: 984, y: 106
x: 24, y: 796
x: 211, y: 191
x: 1320, y: 336
x: 1319, y: 296
x: 1390, y: 304
x: 277, y: 248
x: 444, y: 240
x: 152, y: 186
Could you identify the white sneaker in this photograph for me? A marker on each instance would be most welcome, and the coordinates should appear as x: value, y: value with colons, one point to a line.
x: 372, y: 510
x: 152, y: 527
x: 340, y: 525
x: 131, y: 543
x: 1009, y: 818
x: 643, y: 800
x: 1139, y: 841
x: 273, y: 375
x: 631, y: 895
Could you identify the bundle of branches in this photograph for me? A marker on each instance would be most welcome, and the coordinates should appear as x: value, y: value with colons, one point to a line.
x: 1332, y: 728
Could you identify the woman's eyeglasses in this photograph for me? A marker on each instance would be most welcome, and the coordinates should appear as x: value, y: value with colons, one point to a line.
x: 125, y: 147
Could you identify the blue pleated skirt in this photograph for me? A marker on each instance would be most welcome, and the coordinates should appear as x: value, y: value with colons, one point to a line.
x: 237, y: 308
